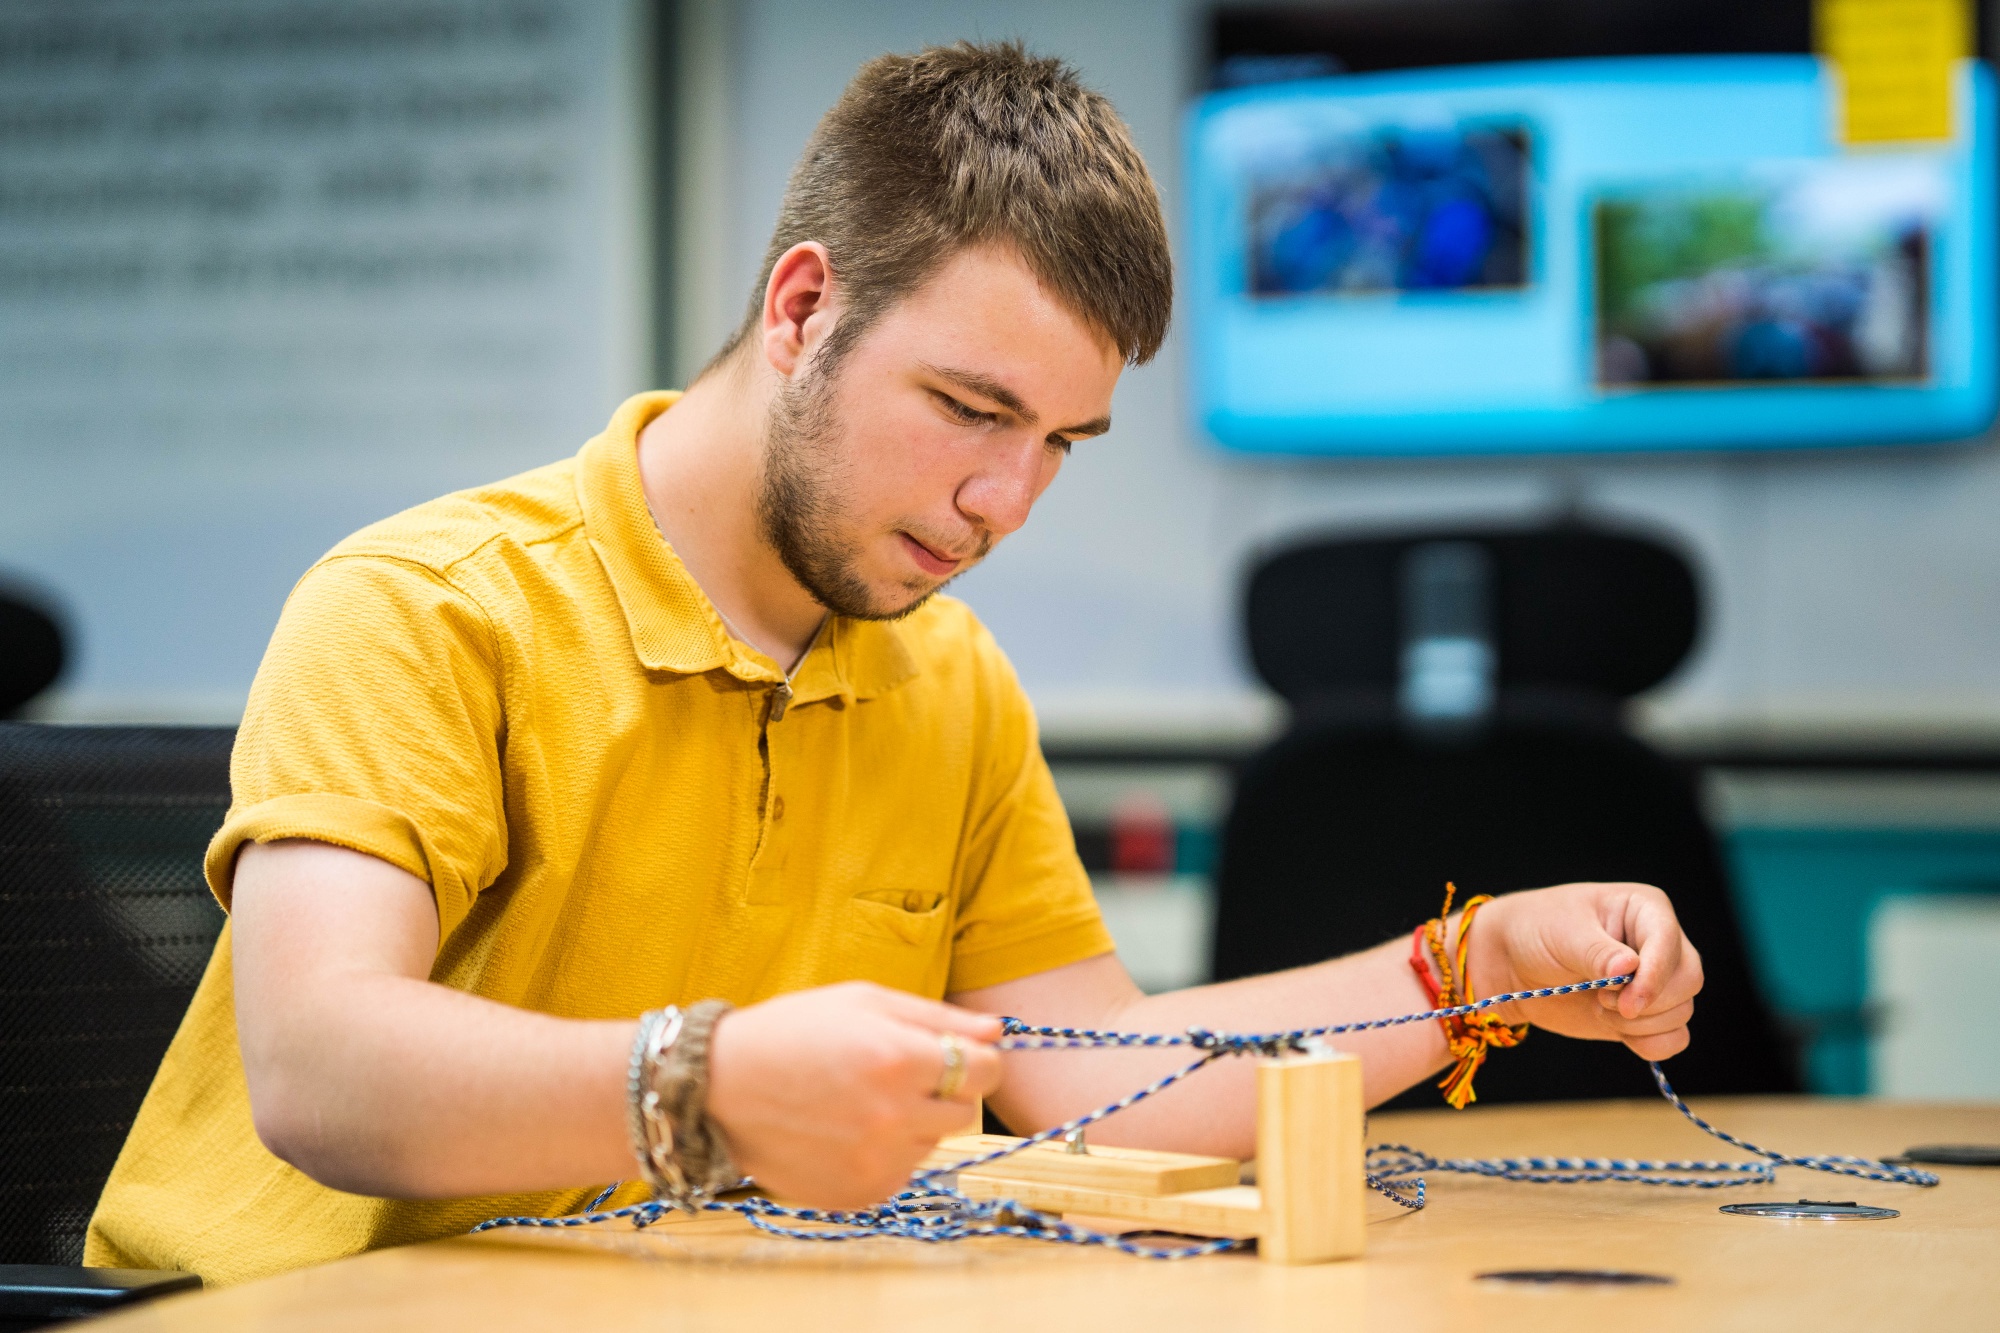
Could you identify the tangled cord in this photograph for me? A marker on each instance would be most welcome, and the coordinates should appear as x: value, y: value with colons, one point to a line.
x: 934, y: 1210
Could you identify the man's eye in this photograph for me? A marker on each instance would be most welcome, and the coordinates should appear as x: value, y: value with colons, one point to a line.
x: 1059, y: 444
x: 969, y: 415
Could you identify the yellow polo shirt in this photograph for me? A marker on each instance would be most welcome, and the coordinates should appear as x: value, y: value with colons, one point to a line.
x: 519, y: 694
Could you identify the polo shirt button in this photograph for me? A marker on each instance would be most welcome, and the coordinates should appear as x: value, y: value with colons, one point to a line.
x: 777, y: 807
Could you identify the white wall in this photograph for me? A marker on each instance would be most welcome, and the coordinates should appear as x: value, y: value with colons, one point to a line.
x: 1859, y: 589
x: 270, y: 271
x: 172, y: 458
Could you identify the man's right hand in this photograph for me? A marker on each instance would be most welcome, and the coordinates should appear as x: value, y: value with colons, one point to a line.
x: 826, y: 1096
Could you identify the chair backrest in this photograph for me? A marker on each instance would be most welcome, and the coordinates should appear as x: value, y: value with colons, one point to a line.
x: 1343, y: 833
x: 105, y: 928
x: 31, y: 651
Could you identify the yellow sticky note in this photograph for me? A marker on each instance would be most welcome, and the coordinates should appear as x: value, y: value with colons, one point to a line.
x: 1896, y: 60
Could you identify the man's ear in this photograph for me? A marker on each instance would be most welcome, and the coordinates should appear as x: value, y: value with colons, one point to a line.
x: 798, y: 306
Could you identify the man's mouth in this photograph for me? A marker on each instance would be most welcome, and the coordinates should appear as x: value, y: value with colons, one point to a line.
x: 931, y: 562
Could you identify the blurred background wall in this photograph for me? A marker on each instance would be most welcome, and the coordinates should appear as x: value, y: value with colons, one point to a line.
x: 270, y: 269
x: 1848, y: 591
x: 269, y: 272
x: 280, y: 269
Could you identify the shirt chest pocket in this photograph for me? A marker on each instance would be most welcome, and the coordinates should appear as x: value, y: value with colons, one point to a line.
x: 898, y: 938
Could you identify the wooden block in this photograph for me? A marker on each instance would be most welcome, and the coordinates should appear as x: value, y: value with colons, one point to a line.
x: 1306, y: 1207
x: 1309, y: 1157
x: 1119, y: 1170
x: 1234, y: 1211
x: 951, y: 1151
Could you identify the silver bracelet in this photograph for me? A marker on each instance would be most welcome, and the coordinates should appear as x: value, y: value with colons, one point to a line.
x: 658, y: 1030
x: 682, y: 1153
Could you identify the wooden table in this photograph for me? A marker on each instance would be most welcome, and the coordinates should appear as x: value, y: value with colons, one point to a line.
x: 1936, y: 1265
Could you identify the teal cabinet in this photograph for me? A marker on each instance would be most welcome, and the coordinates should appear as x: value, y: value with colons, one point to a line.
x: 1805, y: 895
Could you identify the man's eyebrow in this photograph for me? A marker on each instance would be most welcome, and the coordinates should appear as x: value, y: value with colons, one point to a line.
x: 988, y: 387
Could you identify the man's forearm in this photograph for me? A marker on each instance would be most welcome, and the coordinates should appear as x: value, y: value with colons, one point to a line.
x: 1530, y: 940
x: 370, y: 1078
x: 1213, y: 1112
x: 398, y: 1087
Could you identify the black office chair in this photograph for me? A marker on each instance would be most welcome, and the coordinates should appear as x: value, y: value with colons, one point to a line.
x: 105, y: 927
x: 31, y: 651
x: 1456, y: 700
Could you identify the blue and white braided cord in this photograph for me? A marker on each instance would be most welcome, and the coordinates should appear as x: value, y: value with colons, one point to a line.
x: 1021, y: 1037
x: 933, y: 1210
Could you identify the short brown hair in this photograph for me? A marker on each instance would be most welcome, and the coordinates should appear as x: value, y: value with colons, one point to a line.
x: 960, y: 145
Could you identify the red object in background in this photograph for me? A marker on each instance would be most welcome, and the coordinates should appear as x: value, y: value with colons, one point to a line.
x: 1142, y: 836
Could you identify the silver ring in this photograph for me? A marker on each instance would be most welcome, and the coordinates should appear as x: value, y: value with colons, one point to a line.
x: 952, y: 1077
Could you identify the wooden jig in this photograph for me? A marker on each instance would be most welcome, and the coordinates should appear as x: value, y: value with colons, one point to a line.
x: 1306, y: 1207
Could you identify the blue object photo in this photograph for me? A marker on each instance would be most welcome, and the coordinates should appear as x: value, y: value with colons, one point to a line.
x: 1589, y: 255
x: 1395, y: 210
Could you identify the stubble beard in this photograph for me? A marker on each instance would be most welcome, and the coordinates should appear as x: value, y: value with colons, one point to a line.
x: 802, y: 503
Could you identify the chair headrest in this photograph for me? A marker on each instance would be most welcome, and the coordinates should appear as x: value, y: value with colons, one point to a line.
x: 1573, y: 608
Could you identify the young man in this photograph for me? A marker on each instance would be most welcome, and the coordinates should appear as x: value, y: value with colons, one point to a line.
x: 681, y: 718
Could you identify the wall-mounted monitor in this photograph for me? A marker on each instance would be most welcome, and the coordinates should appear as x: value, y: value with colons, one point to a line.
x: 1585, y: 255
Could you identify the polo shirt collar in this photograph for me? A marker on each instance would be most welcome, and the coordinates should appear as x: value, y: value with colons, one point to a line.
x: 674, y: 626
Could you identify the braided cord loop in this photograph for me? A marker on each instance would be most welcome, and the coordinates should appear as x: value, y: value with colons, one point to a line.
x: 933, y: 1210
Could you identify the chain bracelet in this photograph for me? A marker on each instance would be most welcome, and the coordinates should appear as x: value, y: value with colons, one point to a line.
x: 681, y: 1151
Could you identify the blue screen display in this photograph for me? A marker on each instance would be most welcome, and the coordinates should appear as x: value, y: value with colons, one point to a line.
x: 1657, y: 253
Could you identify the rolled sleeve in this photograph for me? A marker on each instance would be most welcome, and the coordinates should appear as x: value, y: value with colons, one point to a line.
x: 375, y: 724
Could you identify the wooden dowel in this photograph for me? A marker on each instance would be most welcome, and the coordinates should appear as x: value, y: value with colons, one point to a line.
x: 1309, y: 1156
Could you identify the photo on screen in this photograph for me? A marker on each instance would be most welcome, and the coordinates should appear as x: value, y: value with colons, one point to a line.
x: 1394, y: 209
x: 1821, y: 272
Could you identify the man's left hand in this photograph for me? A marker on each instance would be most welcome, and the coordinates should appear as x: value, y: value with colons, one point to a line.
x: 1579, y: 932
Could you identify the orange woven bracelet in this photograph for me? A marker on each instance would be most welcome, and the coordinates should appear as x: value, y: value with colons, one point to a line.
x: 1467, y: 1036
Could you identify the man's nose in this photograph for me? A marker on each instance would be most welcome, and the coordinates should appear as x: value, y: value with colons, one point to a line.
x: 999, y: 495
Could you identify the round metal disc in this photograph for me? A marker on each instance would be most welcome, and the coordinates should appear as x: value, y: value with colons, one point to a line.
x: 1830, y: 1212
x: 1577, y: 1277
x: 1955, y: 1154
